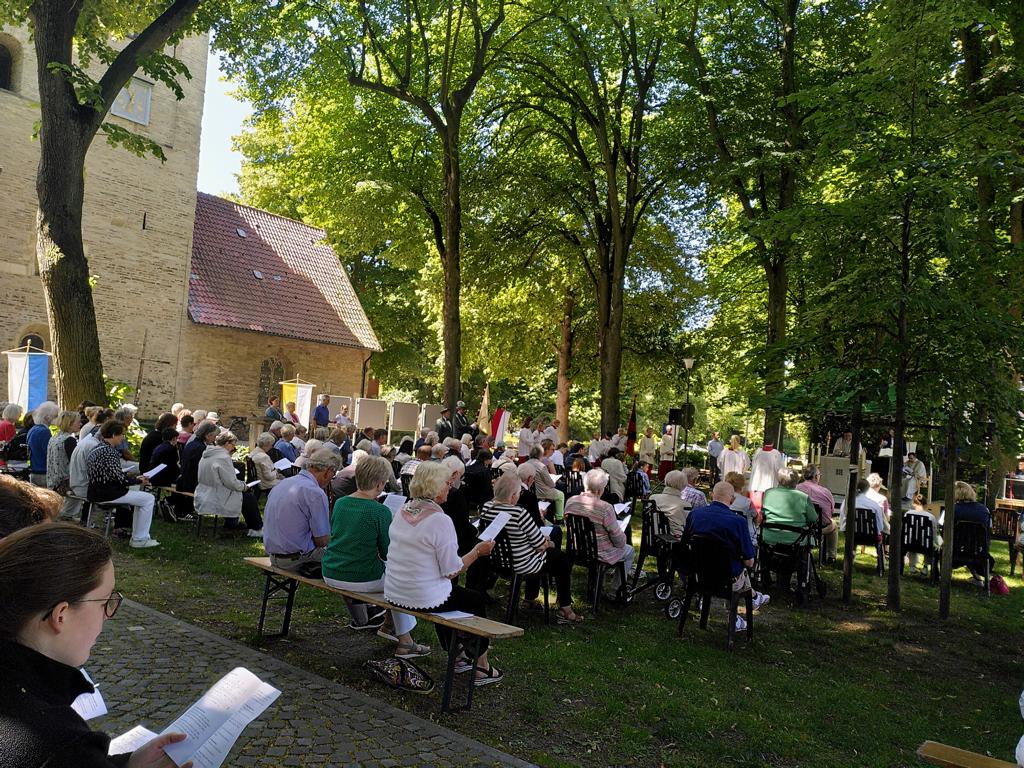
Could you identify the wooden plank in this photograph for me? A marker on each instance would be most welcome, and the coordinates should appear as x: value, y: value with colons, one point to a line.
x: 1010, y: 504
x: 476, y: 625
x: 950, y: 757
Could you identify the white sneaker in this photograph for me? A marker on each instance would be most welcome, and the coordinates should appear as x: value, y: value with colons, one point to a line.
x: 144, y: 544
x: 255, y: 534
x: 741, y: 624
x: 760, y: 598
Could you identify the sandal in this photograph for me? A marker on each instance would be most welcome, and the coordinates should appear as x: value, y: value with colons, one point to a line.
x: 411, y: 650
x: 463, y: 664
x: 568, y: 618
x: 492, y: 675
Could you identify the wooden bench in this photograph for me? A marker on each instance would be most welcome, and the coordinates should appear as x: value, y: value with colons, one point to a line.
x: 284, y: 584
x: 950, y: 757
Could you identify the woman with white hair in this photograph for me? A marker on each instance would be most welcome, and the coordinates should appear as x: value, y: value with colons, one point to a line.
x: 39, y: 440
x: 612, y: 546
x: 874, y: 492
x: 423, y: 561
x: 265, y: 469
x: 670, y: 502
x: 533, y: 553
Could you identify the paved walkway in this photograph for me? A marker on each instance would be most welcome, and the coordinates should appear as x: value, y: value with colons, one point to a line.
x: 151, y: 667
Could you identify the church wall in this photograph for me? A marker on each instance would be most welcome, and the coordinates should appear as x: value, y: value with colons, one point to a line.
x: 137, y: 226
x: 221, y: 369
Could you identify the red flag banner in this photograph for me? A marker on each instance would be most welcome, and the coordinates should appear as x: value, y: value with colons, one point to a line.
x: 631, y: 430
x: 499, y: 424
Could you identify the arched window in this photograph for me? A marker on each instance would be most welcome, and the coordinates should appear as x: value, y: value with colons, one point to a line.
x: 32, y: 340
x: 6, y: 68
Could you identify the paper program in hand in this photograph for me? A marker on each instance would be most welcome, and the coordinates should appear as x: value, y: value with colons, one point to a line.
x: 497, y: 524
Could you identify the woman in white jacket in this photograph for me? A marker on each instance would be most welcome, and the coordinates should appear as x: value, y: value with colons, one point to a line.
x: 221, y: 492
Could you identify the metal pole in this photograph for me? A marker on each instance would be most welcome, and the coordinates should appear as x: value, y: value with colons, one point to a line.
x: 849, y: 548
x: 947, y: 526
x: 686, y: 419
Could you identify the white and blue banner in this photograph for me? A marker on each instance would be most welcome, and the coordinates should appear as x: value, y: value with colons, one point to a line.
x: 28, y: 375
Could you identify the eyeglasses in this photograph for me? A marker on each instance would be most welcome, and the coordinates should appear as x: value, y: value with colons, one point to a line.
x: 110, y: 604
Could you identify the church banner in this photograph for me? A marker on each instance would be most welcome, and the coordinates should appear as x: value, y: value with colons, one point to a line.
x: 301, y: 393
x: 28, y: 373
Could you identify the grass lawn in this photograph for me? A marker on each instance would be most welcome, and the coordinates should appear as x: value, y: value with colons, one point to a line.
x: 822, y: 685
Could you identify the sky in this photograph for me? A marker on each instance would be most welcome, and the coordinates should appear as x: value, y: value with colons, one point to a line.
x: 222, y: 118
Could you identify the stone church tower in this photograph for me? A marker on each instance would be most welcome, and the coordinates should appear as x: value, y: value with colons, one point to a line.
x: 137, y: 222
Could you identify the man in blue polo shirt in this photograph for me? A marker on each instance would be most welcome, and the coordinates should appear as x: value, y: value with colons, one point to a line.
x: 717, y: 520
x: 297, y: 521
x: 322, y: 413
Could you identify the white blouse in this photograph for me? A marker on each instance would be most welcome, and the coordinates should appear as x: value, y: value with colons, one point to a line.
x: 421, y: 558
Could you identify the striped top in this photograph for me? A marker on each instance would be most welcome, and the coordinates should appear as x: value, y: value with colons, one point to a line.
x: 523, y: 534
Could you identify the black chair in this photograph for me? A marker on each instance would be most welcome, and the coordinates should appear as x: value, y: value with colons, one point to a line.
x: 970, y: 549
x: 796, y: 556
x: 251, y: 475
x: 919, y: 538
x: 405, y: 481
x: 655, y: 538
x: 503, y: 564
x: 581, y: 548
x: 865, y: 532
x: 709, y: 575
x: 818, y: 535
x: 495, y: 473
x: 1006, y: 525
x: 573, y: 483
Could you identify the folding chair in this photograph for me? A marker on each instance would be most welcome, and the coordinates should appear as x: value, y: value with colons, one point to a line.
x: 865, y: 532
x: 709, y: 575
x: 503, y: 564
x: 919, y: 538
x: 581, y: 548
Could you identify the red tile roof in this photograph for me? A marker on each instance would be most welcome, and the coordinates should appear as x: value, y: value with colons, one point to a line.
x: 260, y: 272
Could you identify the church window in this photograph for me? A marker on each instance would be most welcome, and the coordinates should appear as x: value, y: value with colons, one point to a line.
x: 6, y: 67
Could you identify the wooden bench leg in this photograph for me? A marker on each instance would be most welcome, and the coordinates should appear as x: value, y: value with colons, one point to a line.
x: 473, y: 647
x: 272, y: 586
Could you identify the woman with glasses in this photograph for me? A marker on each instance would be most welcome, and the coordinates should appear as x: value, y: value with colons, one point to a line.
x: 56, y: 591
x: 221, y: 492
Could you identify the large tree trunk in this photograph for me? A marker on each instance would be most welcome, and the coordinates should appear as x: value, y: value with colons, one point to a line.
x: 451, y: 320
x: 564, y: 384
x: 609, y: 315
x: 777, y: 275
x: 64, y: 138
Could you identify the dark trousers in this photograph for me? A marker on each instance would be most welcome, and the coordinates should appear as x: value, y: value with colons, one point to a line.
x: 557, y: 564
x: 461, y: 599
x: 250, y: 512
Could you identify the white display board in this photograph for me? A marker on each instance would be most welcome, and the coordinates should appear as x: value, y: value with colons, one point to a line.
x: 429, y: 414
x: 371, y: 413
x: 403, y: 417
x: 835, y: 473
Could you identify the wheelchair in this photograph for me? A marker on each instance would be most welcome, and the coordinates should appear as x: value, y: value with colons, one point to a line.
x: 786, y: 559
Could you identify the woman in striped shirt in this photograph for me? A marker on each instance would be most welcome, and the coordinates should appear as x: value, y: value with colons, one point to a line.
x: 532, y: 551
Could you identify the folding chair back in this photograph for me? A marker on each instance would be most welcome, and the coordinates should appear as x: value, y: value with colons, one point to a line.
x: 918, y: 534
x: 573, y: 483
x: 501, y: 559
x: 581, y: 540
x: 405, y: 480
x: 711, y: 565
x: 865, y: 529
x: 970, y: 544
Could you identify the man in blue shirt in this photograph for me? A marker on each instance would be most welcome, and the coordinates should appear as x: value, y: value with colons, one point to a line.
x: 296, y: 521
x: 322, y: 413
x: 718, y: 521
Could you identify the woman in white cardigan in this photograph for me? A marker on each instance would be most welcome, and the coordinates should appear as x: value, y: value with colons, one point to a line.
x: 220, y: 491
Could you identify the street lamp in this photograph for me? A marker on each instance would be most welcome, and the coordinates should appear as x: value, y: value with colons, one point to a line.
x: 687, y: 412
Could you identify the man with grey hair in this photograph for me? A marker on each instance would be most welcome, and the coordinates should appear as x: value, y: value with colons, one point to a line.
x: 439, y: 451
x: 297, y: 521
x: 612, y: 546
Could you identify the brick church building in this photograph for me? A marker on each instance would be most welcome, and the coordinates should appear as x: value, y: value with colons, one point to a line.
x: 200, y: 299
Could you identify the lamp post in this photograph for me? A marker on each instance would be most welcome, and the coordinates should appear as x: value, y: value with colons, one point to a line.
x: 687, y: 413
